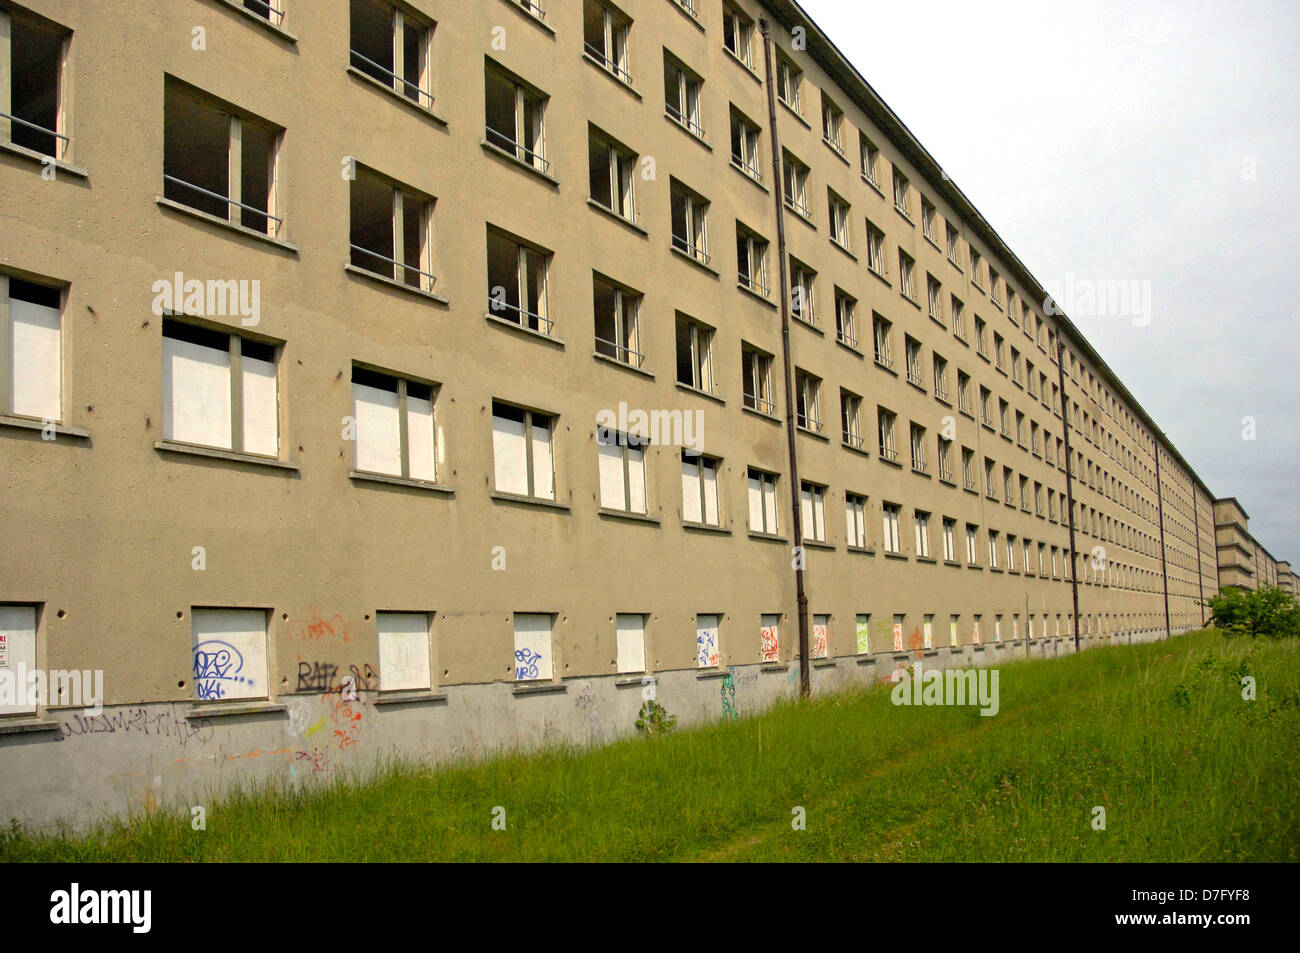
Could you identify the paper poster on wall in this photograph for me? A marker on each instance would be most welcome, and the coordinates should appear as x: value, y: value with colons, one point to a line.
x: 771, y: 638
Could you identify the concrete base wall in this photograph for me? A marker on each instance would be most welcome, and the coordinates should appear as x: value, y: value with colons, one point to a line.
x: 79, y: 769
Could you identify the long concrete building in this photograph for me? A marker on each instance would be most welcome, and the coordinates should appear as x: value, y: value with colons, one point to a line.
x: 433, y: 377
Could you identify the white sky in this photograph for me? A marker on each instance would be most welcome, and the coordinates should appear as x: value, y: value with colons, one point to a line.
x: 1115, y: 140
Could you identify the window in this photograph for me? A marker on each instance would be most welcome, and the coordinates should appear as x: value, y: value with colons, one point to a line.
x: 611, y: 170
x: 855, y: 520
x: 963, y: 392
x: 981, y: 339
x: 912, y: 350
x: 219, y: 390
x: 870, y: 159
x: 995, y: 287
x: 682, y: 95
x: 744, y: 145
x: 795, y: 182
x: 629, y: 630
x: 1020, y: 428
x: 219, y: 162
x: 33, y: 64
x: 945, y: 460
x: 751, y: 260
x: 789, y: 83
x: 807, y: 401
x: 975, y: 269
x: 993, y: 549
x: 927, y: 219
x: 832, y: 123
x: 875, y: 250
x: 999, y: 352
x: 954, y: 243
x: 516, y: 114
x: 622, y: 471
x: 949, y: 540
x: 689, y: 212
x: 972, y: 544
x: 756, y: 372
x: 390, y: 230
x: 392, y: 47
x: 706, y: 640
x: 1008, y: 486
x: 532, y: 7
x: 921, y: 521
x: 901, y: 187
x: 906, y: 265
x: 604, y: 36
x: 968, y: 468
x: 802, y: 284
x: 990, y: 479
x: 881, y: 330
x: 850, y: 425
x: 1004, y: 420
x: 986, y: 414
x: 229, y: 654
x: 395, y: 432
x: 770, y: 637
x: 958, y: 318
x: 533, y: 660
x: 404, y: 651
x: 934, y: 297
x: 18, y: 636
x: 762, y: 502
x: 918, y: 448
x: 1015, y: 365
x: 820, y: 636
x: 700, y: 489
x: 1011, y: 552
x: 738, y: 34
x: 812, y: 509
x: 523, y: 451
x: 885, y: 421
x: 31, y: 331
x: 927, y: 632
x: 839, y: 219
x: 517, y: 282
x: 617, y: 334
x: 694, y: 354
x: 889, y: 520
x: 845, y: 308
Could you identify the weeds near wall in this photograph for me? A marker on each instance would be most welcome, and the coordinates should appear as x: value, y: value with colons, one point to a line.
x: 653, y: 719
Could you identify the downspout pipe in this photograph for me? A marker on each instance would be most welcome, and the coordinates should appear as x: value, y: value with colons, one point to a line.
x: 1069, y: 489
x: 1160, y: 510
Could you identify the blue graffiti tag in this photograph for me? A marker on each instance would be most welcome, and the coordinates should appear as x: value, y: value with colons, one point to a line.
x: 526, y: 663
x: 217, y: 664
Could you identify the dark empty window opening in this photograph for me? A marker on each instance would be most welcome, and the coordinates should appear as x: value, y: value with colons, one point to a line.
x: 389, y: 231
x: 31, y: 113
x: 392, y: 48
x: 264, y: 9
x: 514, y: 118
x: 517, y: 282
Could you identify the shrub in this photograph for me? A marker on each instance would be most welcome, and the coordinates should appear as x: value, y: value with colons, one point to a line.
x: 1266, y: 611
x: 654, y: 719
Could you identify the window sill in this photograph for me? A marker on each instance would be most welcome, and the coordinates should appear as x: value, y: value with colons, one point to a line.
x: 412, y: 697
x: 701, y: 393
x: 26, y: 724
x: 627, y: 515
x: 886, y: 368
x: 401, y: 481
x: 705, y: 528
x: 773, y: 418
x: 31, y: 423
x: 695, y: 261
x: 800, y: 214
x: 605, y: 71
x: 809, y: 432
x: 757, y: 296
x: 216, y: 453
x: 696, y: 136
x: 527, y: 687
x: 223, y: 709
x: 228, y: 225
x: 528, y: 500
x: 41, y: 159
x: 949, y: 562
x: 749, y: 176
x: 520, y: 329
x: 856, y: 449
x: 932, y: 242
x: 622, y: 365
x: 975, y: 566
x: 423, y: 111
x: 910, y: 299
x: 902, y: 557
x: 807, y: 324
x: 712, y: 672
x: 947, y: 481
x: 514, y: 160
x: 838, y: 151
x: 875, y: 186
x: 818, y: 544
x: 774, y: 666
x: 888, y: 462
x: 753, y: 73
x: 862, y: 550
x: 927, y: 559
x: 265, y: 24
x: 769, y: 537
x: 850, y: 347
x: 794, y: 112
x: 824, y: 663
x: 530, y: 17
x: 625, y: 222
x: 844, y: 249
x: 902, y: 213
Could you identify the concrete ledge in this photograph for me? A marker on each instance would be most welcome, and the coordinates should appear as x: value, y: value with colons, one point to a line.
x: 713, y: 673
x: 40, y: 158
x: 27, y: 726
x: 221, y: 711
x: 30, y: 423
x: 411, y: 698
x: 545, y: 688
x: 774, y: 667
x: 217, y: 453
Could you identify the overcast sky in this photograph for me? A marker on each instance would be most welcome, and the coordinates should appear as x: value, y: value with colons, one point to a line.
x: 1127, y: 139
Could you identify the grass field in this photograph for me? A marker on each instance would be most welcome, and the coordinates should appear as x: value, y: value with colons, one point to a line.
x: 1159, y: 735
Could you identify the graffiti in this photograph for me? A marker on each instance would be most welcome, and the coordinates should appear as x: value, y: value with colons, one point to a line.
x: 299, y: 713
x: 317, y: 759
x: 319, y: 630
x: 729, y: 695
x: 916, y: 643
x: 819, y: 649
x: 168, y: 724
x: 217, y: 666
x: 526, y: 664
x: 706, y: 645
x: 346, y: 715
x: 771, y: 645
x: 586, y: 698
x: 316, y: 676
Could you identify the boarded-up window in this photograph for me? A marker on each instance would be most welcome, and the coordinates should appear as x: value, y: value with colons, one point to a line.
x: 699, y: 489
x: 17, y: 648
x: 622, y: 472
x: 770, y: 634
x: 630, y: 630
x: 863, y: 624
x: 533, y: 661
x: 821, y: 636
x: 706, y: 640
x: 522, y: 451
x: 380, y: 402
x: 229, y: 654
x: 35, y: 349
x: 762, y: 502
x: 403, y: 651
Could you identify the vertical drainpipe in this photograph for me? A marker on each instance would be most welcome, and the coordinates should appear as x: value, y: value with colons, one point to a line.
x: 1069, y: 488
x: 1200, y: 585
x: 1160, y: 509
x: 796, y: 520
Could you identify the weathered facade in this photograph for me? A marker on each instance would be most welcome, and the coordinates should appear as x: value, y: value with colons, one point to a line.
x: 329, y: 332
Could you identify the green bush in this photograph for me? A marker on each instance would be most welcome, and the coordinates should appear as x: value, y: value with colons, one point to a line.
x: 654, y: 719
x: 1266, y: 611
